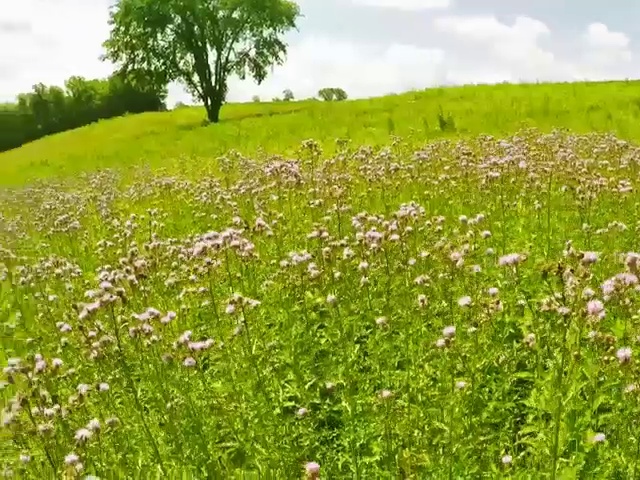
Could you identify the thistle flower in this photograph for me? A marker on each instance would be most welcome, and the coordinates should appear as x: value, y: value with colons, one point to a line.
x: 83, y: 389
x: 624, y: 355
x: 608, y: 287
x: 185, y: 337
x: 421, y: 280
x: 302, y: 412
x: 168, y: 318
x: 82, y: 435
x: 65, y: 328
x: 312, y: 469
x: 588, y: 293
x: 381, y: 321
x: 510, y: 260
x: 93, y: 425
x: 589, y: 258
x: 507, y: 459
x: 71, y: 459
x: 7, y: 418
x: 386, y: 394
x: 449, y: 332
x: 598, y: 438
x: 595, y: 309
x: 40, y: 366
x: 199, y: 346
x: 189, y: 362
x: 464, y: 301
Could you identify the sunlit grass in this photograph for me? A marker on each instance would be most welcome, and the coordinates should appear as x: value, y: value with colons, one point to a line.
x: 464, y: 310
x: 178, y: 139
x: 234, y: 301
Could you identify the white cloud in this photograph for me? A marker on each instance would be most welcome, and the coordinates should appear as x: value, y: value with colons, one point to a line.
x: 606, y: 48
x: 486, y: 28
x: 598, y: 35
x: 50, y: 40
x: 408, y: 5
x: 362, y: 70
x: 57, y: 39
x: 513, y: 48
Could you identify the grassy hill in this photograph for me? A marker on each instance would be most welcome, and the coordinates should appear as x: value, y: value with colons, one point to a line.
x: 179, y: 139
x: 464, y: 309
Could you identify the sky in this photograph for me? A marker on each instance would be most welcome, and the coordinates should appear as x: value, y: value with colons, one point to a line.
x: 366, y: 47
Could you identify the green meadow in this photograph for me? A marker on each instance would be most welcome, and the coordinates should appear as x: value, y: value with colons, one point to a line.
x: 180, y: 140
x: 440, y: 284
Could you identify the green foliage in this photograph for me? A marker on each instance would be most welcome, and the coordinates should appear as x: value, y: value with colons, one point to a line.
x: 446, y: 122
x: 287, y: 95
x: 16, y: 127
x: 339, y: 94
x: 200, y: 42
x: 50, y: 109
x: 330, y: 94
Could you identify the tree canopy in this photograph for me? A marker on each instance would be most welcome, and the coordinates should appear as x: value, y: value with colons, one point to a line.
x: 200, y: 42
x: 287, y: 95
x: 52, y: 109
x: 330, y: 94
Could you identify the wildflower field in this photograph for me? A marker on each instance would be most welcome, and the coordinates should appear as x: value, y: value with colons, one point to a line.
x: 462, y: 309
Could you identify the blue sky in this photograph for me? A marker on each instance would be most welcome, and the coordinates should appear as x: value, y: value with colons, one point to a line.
x: 367, y: 47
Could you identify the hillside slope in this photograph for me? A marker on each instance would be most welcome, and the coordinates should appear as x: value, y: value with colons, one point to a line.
x: 179, y: 138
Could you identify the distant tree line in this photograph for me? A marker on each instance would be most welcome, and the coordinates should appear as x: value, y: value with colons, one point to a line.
x: 326, y: 94
x: 51, y: 109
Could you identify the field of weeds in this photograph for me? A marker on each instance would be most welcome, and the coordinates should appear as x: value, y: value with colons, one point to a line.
x: 465, y: 310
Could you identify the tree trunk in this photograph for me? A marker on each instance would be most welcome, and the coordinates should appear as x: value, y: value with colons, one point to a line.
x: 213, y: 103
x: 213, y: 111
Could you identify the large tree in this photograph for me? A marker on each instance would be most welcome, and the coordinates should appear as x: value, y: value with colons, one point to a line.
x: 200, y: 42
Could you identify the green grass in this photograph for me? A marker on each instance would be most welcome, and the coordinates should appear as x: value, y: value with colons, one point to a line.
x: 469, y: 308
x: 179, y: 140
